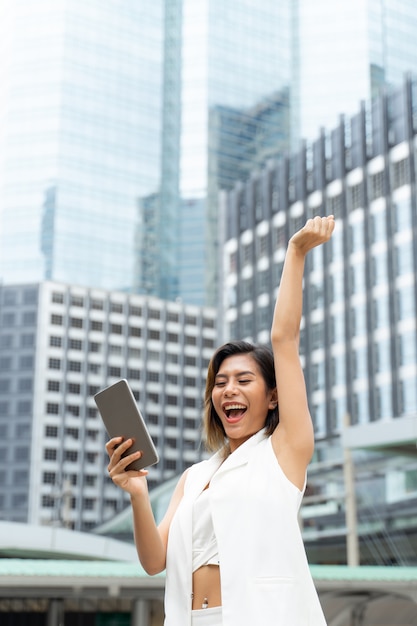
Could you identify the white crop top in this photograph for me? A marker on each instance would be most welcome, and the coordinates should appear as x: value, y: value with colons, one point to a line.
x: 204, y: 540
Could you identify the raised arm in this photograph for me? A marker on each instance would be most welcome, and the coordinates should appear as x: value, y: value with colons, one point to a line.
x: 293, y: 439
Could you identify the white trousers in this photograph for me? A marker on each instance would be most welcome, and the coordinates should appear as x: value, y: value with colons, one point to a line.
x: 207, y: 617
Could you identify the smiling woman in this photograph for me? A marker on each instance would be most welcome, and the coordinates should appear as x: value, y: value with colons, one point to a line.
x: 230, y: 539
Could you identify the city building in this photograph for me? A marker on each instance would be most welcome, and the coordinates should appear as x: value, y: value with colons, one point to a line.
x: 345, y: 52
x: 359, y: 335
x: 114, y: 120
x: 59, y: 345
x: 81, y: 103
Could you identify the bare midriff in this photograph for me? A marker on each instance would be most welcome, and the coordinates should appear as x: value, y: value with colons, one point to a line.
x: 206, y: 587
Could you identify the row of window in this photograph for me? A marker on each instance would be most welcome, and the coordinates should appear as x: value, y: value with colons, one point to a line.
x: 129, y: 309
x: 112, y: 370
x: 132, y: 331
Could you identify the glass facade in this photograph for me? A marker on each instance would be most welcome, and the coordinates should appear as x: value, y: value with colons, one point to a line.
x: 80, y: 127
x: 347, y: 51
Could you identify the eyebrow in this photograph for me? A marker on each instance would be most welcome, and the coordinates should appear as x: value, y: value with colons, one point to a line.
x: 245, y: 373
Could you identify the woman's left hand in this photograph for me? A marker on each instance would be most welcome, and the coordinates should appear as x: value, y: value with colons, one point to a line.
x: 316, y: 231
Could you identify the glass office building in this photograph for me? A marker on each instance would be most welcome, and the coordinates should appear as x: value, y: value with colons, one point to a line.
x: 359, y: 336
x: 344, y: 53
x: 80, y: 128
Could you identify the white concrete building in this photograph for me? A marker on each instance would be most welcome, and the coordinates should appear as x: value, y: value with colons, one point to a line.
x: 60, y: 344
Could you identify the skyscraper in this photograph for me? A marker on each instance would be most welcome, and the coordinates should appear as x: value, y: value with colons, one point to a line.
x: 344, y: 52
x: 81, y: 89
x: 104, y: 133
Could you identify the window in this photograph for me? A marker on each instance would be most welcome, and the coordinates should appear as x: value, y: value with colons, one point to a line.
x: 6, y: 341
x: 172, y: 317
x: 191, y: 341
x: 153, y: 377
x: 135, y: 310
x: 27, y: 340
x: 190, y: 360
x: 134, y: 353
x: 29, y: 318
x: 77, y: 301
x: 54, y: 364
x: 116, y: 329
x: 154, y: 334
x: 116, y: 307
x: 154, y: 314
x: 10, y: 298
x: 49, y: 478
x: 56, y: 320
x: 72, y: 432
x: 133, y: 374
x: 53, y: 385
x: 97, y: 305
x: 75, y: 344
x: 51, y: 431
x: 55, y: 342
x: 74, y: 366
x: 94, y: 368
x: 76, y: 322
x: 172, y: 400
x: 135, y: 331
x: 4, y: 385
x: 50, y: 454
x: 57, y: 297
x: 114, y: 371
x: 21, y: 453
x: 24, y: 407
x: 190, y: 402
x: 52, y: 408
x: 93, y: 389
x: 26, y: 362
x: 172, y: 337
x: 74, y: 388
x: 73, y: 409
x: 5, y: 363
x: 71, y: 455
x: 96, y: 325
x: 48, y: 502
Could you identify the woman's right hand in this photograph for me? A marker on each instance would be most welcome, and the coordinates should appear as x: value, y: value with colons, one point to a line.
x: 132, y: 481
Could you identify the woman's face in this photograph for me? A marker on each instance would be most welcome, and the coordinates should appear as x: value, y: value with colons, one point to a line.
x: 240, y: 398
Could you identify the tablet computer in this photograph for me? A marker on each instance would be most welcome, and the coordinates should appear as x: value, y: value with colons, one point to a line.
x: 122, y: 418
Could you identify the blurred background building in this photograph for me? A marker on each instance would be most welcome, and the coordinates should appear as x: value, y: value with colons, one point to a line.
x: 59, y: 345
x: 359, y: 336
x: 115, y: 120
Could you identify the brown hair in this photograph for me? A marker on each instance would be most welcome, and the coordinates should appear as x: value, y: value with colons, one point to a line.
x: 214, y: 434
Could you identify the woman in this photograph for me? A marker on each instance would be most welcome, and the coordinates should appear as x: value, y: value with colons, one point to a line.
x: 230, y: 540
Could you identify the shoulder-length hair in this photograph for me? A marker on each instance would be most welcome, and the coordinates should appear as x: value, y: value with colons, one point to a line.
x: 214, y: 433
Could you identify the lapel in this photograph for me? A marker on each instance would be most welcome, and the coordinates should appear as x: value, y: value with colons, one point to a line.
x: 241, y: 455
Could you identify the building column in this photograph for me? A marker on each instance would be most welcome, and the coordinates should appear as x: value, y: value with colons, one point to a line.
x: 55, y: 615
x: 141, y: 613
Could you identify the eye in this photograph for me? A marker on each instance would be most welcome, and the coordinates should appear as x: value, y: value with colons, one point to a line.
x: 244, y: 381
x: 219, y: 384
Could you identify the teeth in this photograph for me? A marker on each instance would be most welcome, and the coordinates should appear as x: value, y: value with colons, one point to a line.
x: 232, y: 407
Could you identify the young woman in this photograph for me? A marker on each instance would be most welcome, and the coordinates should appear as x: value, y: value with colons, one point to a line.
x: 230, y: 539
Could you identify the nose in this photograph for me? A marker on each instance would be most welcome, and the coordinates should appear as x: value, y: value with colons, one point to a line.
x: 229, y: 388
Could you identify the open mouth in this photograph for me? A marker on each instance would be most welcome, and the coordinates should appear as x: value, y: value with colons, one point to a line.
x: 234, y: 411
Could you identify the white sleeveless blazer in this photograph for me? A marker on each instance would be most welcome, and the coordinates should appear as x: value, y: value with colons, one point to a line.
x: 265, y: 578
